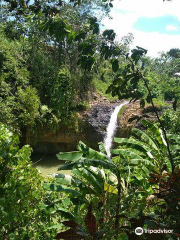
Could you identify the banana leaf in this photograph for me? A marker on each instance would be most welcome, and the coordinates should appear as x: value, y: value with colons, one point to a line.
x: 90, y: 153
x: 69, y: 180
x: 90, y: 162
x: 137, y: 145
x: 157, y: 132
x: 126, y: 153
x: 60, y: 188
x: 91, y: 180
x: 131, y: 150
x: 145, y: 138
x: 70, y: 156
x: 145, y: 162
x: 110, y: 189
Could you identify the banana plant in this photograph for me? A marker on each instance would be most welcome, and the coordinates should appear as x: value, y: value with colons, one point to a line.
x: 119, y: 189
x: 147, y: 148
x: 78, y: 232
x: 91, y: 166
x: 144, y: 155
x: 94, y: 179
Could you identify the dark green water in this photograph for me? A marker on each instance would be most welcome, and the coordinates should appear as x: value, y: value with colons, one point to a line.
x: 47, y: 164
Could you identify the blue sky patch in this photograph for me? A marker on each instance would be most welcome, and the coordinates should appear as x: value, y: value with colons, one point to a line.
x: 165, y: 24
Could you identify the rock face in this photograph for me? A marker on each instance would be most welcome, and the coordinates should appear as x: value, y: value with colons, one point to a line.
x: 130, y: 110
x: 99, y: 116
x: 65, y: 139
x: 92, y: 129
x: 133, y: 109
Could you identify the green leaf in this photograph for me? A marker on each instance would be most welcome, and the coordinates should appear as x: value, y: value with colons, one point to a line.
x: 138, y: 176
x: 70, y: 156
x: 145, y: 162
x: 174, y: 137
x: 132, y: 150
x: 90, y: 153
x: 109, y: 34
x: 137, y: 145
x: 60, y: 188
x: 155, y: 131
x: 69, y: 166
x: 65, y: 213
x: 142, y: 103
x: 67, y: 180
x: 91, y: 179
x: 127, y: 153
x: 102, y: 148
x: 175, y: 104
x: 90, y: 162
x: 56, y: 226
x: 115, y: 65
x: 81, y: 35
x: 110, y: 189
x: 137, y: 118
x: 145, y: 138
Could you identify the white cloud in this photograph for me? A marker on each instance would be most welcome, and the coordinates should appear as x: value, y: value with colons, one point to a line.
x: 126, y: 12
x: 171, y: 28
x: 149, y: 8
x: 155, y: 42
x: 121, y: 23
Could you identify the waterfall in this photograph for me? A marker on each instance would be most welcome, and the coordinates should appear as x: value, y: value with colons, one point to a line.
x: 111, y: 128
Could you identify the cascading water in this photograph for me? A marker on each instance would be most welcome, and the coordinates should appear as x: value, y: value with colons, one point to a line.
x: 111, y: 128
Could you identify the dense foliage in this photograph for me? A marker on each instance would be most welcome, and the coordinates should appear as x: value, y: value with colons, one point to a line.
x: 56, y: 51
x: 135, y: 189
x: 53, y: 56
x: 22, y: 193
x: 42, y: 80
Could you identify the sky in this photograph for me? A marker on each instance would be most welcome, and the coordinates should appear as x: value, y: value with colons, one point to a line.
x: 154, y: 24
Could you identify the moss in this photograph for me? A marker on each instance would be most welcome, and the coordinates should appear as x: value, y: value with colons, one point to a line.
x: 121, y: 111
x: 82, y: 106
x: 160, y: 103
x: 101, y: 88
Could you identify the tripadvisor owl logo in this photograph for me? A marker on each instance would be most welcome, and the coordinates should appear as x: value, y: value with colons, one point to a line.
x: 138, y: 231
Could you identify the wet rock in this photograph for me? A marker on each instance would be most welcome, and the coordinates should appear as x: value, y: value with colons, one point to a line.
x: 134, y: 109
x: 92, y: 126
x: 99, y: 116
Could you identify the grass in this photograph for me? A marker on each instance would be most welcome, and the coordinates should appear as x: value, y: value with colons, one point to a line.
x: 160, y: 103
x: 101, y: 88
x: 121, y: 111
